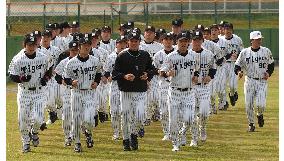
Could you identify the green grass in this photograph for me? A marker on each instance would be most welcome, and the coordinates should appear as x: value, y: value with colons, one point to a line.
x: 227, y: 137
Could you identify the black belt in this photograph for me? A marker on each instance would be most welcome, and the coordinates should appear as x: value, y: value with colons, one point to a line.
x: 229, y: 61
x: 32, y: 88
x: 167, y: 80
x: 254, y: 78
x: 201, y: 84
x: 182, y: 89
x: 85, y: 89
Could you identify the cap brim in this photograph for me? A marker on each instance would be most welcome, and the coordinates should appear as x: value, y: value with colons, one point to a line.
x: 258, y: 37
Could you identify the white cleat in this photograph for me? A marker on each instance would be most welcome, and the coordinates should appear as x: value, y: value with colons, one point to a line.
x: 115, y: 137
x: 193, y: 143
x: 175, y: 148
x: 166, y: 138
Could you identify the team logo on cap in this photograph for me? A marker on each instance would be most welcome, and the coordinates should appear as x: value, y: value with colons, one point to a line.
x: 32, y: 39
x: 36, y: 32
x: 74, y: 44
x: 197, y: 33
x: 129, y: 23
x: 74, y: 22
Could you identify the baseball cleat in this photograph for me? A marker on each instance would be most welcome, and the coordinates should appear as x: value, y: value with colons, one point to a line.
x: 232, y: 100
x: 89, y: 140
x: 43, y: 126
x: 26, y: 148
x: 183, y: 140
x: 193, y: 143
x: 203, y: 135
x: 226, y: 106
x: 126, y: 145
x: 115, y: 137
x: 77, y: 147
x: 260, y: 120
x: 133, y: 141
x: 52, y: 117
x: 68, y: 142
x: 251, y: 127
x: 175, y: 148
x: 147, y: 122
x: 166, y: 137
x: 34, y: 138
x: 141, y: 132
x: 236, y: 95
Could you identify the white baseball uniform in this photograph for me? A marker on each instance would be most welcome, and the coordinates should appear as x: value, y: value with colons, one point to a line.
x: 110, y: 46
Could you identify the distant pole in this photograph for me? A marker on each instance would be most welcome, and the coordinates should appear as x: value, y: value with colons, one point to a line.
x: 104, y: 17
x: 79, y: 12
x: 249, y: 16
x: 189, y: 6
x: 44, y: 15
x: 111, y: 15
x: 181, y: 9
x: 215, y: 11
x: 8, y: 21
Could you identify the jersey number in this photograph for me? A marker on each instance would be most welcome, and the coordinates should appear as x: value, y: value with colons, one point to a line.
x: 91, y: 76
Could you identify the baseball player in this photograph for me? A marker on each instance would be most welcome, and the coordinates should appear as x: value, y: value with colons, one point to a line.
x: 83, y: 73
x: 152, y: 47
x: 55, y: 38
x: 158, y: 59
x: 207, y: 33
x: 180, y: 67
x: 66, y: 93
x: 235, y: 47
x: 30, y: 71
x: 176, y: 28
x: 132, y: 69
x: 220, y: 77
x: 206, y: 69
x: 75, y: 27
x: 122, y: 29
x: 65, y: 35
x: 258, y: 65
x: 221, y: 28
x: 115, y: 111
x: 107, y: 43
x: 159, y: 35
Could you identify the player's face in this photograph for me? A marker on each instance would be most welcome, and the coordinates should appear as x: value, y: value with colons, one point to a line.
x: 121, y: 46
x: 46, y: 41
x: 214, y: 33
x: 30, y: 48
x: 221, y: 30
x: 38, y: 40
x: 95, y: 41
x: 133, y: 44
x: 105, y: 35
x: 75, y: 29
x: 196, y: 44
x: 149, y: 35
x: 168, y: 42
x: 206, y: 35
x: 228, y: 32
x: 256, y: 43
x: 176, y: 29
x: 182, y: 44
x: 85, y: 49
x: 121, y: 32
x: 67, y: 30
x: 74, y: 51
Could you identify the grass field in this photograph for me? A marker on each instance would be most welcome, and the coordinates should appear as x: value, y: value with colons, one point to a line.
x: 227, y: 137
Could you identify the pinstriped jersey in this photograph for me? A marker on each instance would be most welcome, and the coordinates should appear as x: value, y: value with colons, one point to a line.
x: 65, y: 42
x: 53, y: 53
x: 223, y: 45
x: 235, y: 45
x: 109, y: 47
x: 183, y: 66
x: 84, y: 72
x: 109, y: 65
x: 22, y: 65
x: 253, y: 63
x: 57, y: 41
x: 159, y: 58
x: 101, y: 54
x: 61, y: 66
x: 211, y: 46
x: 204, y: 61
x: 151, y: 48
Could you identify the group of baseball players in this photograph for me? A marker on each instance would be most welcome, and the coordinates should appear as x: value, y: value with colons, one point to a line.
x: 174, y: 77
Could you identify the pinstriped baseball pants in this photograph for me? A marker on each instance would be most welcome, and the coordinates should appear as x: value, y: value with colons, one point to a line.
x: 164, y: 106
x: 66, y: 112
x: 115, y: 107
x: 255, y: 90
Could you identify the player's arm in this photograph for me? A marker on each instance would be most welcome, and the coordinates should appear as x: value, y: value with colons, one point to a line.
x: 16, y: 76
x: 270, y: 67
x: 239, y: 63
x: 116, y: 73
x: 150, y: 69
x: 68, y: 74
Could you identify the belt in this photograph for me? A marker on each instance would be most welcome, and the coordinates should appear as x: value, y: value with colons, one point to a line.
x: 32, y: 88
x: 85, y: 89
x: 182, y: 89
x: 254, y: 78
x: 201, y: 84
x: 167, y: 81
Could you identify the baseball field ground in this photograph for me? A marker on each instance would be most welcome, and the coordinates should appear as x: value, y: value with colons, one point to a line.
x: 227, y: 139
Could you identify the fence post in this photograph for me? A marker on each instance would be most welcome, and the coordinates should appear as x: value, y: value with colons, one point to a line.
x: 111, y: 15
x: 147, y: 13
x: 8, y: 21
x: 249, y: 16
x: 119, y: 17
x: 215, y: 11
x: 44, y: 14
x: 104, y: 17
x: 181, y: 9
x: 79, y: 12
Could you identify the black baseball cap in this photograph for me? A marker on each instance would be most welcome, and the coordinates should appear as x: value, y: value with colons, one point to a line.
x: 75, y: 24
x: 77, y: 36
x: 56, y: 25
x: 106, y: 29
x: 85, y: 40
x: 207, y: 29
x: 46, y: 33
x: 137, y: 30
x: 50, y: 26
x: 64, y: 25
x: 222, y: 23
x: 183, y: 35
x: 37, y: 33
x: 130, y: 24
x: 121, y: 39
x: 133, y: 35
x: 122, y: 26
x: 161, y: 31
x: 73, y: 44
x: 228, y: 25
x: 197, y: 35
x: 199, y: 27
x: 30, y: 38
x: 150, y: 28
x: 167, y: 35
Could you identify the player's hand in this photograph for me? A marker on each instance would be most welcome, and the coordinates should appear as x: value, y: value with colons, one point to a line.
x: 43, y: 81
x: 25, y: 78
x: 206, y: 79
x: 144, y: 76
x: 94, y: 85
x: 75, y: 83
x: 63, y: 82
x: 171, y: 73
x: 104, y: 79
x: 240, y: 74
x: 194, y: 79
x: 109, y: 79
x: 265, y: 76
x: 129, y: 77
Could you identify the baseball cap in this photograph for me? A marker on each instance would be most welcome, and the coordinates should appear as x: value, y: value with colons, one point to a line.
x: 183, y: 35
x: 106, y: 29
x: 85, y: 40
x: 37, y: 33
x: 73, y: 44
x: 199, y: 27
x: 130, y: 24
x: 197, y: 35
x: 137, y: 30
x: 50, y: 26
x: 133, y: 35
x: 46, y: 33
x: 122, y: 26
x: 167, y: 35
x: 65, y: 25
x: 228, y: 25
x: 30, y: 38
x: 150, y: 28
x: 255, y: 35
x: 121, y: 39
x: 222, y: 23
x: 56, y: 25
x: 177, y: 22
x: 77, y: 36
x: 75, y: 24
x: 207, y: 29
x: 214, y: 26
x: 161, y: 31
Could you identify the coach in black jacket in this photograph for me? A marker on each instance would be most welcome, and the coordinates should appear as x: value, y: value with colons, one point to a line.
x: 132, y: 69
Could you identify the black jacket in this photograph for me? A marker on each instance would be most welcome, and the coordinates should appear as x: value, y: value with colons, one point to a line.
x: 133, y: 62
